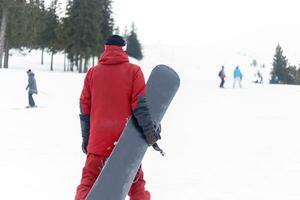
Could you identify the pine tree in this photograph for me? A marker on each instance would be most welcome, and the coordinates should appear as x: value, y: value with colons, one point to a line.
x: 279, y: 71
x: 86, y: 25
x: 51, y: 21
x: 42, y: 33
x: 107, y: 21
x: 298, y: 76
x: 34, y: 24
x: 106, y: 26
x: 134, y: 48
x: 14, y: 28
x: 4, y: 6
x: 291, y: 75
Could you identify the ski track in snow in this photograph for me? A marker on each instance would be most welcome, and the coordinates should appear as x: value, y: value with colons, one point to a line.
x: 229, y: 144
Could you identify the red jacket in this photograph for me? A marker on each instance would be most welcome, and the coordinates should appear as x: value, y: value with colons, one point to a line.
x: 109, y: 95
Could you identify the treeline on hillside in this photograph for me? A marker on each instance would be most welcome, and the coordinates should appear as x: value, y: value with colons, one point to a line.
x: 283, y: 72
x: 80, y: 35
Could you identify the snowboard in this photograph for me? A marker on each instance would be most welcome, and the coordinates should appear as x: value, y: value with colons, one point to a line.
x: 119, y: 170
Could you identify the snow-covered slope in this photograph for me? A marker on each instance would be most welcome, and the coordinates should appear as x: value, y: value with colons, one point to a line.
x: 220, y: 144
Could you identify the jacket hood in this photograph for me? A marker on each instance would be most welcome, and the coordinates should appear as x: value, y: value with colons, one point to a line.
x: 31, y: 74
x: 113, y: 55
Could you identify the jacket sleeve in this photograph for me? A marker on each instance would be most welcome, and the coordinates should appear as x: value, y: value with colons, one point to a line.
x: 30, y: 81
x: 139, y: 104
x: 85, y: 97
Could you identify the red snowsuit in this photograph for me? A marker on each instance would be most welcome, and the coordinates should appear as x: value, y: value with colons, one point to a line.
x: 110, y: 93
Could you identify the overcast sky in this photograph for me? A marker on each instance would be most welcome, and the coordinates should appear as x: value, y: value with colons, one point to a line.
x: 249, y: 25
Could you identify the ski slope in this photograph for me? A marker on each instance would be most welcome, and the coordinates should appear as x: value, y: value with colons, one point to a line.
x: 229, y: 144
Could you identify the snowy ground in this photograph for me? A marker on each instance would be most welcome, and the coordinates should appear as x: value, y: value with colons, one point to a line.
x: 231, y: 144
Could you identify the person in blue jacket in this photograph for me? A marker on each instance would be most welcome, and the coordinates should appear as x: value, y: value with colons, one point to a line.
x: 238, y: 76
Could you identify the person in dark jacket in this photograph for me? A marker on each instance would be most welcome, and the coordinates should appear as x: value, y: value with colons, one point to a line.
x: 32, y: 89
x: 222, y: 77
x: 113, y: 90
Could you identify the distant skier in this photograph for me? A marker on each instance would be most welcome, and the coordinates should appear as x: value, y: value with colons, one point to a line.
x: 113, y: 90
x: 238, y: 76
x: 32, y: 89
x: 260, y: 77
x: 222, y: 77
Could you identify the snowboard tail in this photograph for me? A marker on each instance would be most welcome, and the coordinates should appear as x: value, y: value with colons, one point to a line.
x: 118, y: 173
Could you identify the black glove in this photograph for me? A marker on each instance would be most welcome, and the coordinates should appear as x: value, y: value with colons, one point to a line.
x: 84, y: 146
x: 85, y: 131
x: 153, y: 135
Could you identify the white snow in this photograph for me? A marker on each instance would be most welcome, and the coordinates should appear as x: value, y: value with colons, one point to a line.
x: 228, y: 144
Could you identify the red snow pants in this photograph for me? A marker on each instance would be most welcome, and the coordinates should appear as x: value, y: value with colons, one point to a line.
x: 91, y: 170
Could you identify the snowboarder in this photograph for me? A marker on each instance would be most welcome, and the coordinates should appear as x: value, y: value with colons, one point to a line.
x: 32, y: 89
x: 238, y: 76
x: 113, y: 90
x: 222, y: 77
x: 260, y: 77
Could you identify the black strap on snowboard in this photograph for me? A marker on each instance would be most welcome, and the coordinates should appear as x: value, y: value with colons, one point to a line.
x: 157, y: 148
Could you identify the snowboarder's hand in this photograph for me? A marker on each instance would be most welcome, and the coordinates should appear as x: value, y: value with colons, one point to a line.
x: 153, y: 135
x: 84, y: 147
